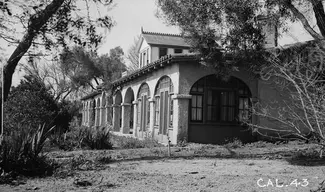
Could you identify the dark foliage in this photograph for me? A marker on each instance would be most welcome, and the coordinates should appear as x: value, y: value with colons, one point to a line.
x: 29, y: 104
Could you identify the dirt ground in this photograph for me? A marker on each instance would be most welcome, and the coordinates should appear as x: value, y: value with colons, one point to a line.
x: 199, y: 168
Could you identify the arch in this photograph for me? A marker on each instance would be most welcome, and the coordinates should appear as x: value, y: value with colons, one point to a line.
x: 144, y: 89
x: 98, y: 102
x: 215, y: 82
x: 143, y: 110
x: 218, y: 103
x: 103, y: 98
x: 93, y: 112
x: 224, y: 99
x: 117, y: 98
x: 127, y: 112
x: 163, y: 110
x: 129, y: 96
x: 164, y: 82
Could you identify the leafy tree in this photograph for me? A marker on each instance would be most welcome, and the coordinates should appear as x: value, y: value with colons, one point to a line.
x: 88, y: 69
x: 233, y: 25
x: 30, y: 104
x: 133, y: 55
x: 298, y: 75
x: 111, y: 65
x: 49, y: 24
x: 297, y: 72
x: 77, y: 71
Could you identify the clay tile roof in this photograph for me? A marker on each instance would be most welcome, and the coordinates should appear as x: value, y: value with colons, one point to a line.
x: 92, y: 94
x: 164, y: 39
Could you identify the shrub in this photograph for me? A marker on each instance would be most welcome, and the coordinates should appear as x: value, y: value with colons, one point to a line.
x: 30, y: 103
x: 21, y: 152
x: 84, y: 137
x: 97, y: 138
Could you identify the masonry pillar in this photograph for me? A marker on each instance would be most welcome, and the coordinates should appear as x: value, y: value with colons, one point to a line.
x: 85, y: 114
x: 180, y: 124
x: 135, y: 115
x: 126, y: 115
x: 90, y: 114
x: 152, y: 116
x: 116, y: 117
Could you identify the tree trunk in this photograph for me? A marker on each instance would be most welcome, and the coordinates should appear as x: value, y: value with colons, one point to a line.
x: 288, y: 4
x: 36, y: 21
x: 319, y: 15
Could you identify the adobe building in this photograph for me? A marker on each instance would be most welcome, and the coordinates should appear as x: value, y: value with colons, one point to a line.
x: 172, y: 96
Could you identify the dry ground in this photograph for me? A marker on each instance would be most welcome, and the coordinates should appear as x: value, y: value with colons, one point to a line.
x: 193, y: 168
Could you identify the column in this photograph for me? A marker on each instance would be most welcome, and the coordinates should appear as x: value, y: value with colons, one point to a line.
x: 135, y: 115
x: 98, y: 115
x: 85, y: 114
x: 89, y: 114
x: 116, y: 117
x: 180, y: 124
x: 152, y: 116
x: 126, y: 116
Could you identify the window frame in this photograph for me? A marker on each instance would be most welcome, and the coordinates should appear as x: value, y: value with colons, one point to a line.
x: 160, y: 50
x: 179, y: 50
x: 235, y: 89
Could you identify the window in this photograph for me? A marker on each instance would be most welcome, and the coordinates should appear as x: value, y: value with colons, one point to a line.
x: 162, y: 52
x: 212, y: 105
x: 227, y: 106
x: 144, y: 59
x: 171, y: 104
x: 157, y: 111
x: 164, y: 103
x: 178, y: 50
x: 148, y: 113
x: 217, y: 101
x: 197, y: 108
x: 139, y: 113
x: 147, y: 55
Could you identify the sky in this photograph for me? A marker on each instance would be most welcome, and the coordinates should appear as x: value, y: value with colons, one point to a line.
x: 131, y: 15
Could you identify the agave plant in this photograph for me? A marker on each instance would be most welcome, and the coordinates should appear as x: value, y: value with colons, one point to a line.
x: 20, y: 150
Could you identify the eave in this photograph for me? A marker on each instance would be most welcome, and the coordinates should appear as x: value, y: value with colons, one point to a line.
x: 162, y: 62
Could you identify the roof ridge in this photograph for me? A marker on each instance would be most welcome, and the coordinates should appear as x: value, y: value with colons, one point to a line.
x: 165, y: 34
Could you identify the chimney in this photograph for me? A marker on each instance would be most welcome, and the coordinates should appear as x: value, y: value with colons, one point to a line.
x: 269, y: 29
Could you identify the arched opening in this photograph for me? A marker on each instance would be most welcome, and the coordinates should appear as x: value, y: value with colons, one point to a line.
x: 117, y: 117
x: 163, y: 108
x: 109, y: 110
x: 128, y: 111
x: 143, y: 110
x: 93, y: 112
x: 217, y: 110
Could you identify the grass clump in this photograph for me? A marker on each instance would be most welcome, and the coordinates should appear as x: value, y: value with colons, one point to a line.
x: 233, y: 144
x: 82, y: 137
x: 124, y: 142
